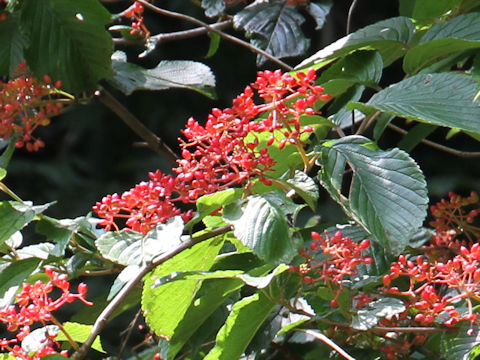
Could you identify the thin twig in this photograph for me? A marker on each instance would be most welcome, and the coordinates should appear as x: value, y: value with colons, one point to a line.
x: 216, y: 31
x: 153, y: 141
x: 319, y: 336
x: 117, y: 300
x: 350, y: 14
x: 367, y: 122
x: 465, y: 154
x: 177, y: 35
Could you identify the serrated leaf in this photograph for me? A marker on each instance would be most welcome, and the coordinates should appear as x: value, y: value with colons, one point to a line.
x: 319, y: 12
x: 165, y: 306
x: 167, y: 74
x: 390, y: 37
x: 213, y: 7
x: 273, y: 26
x: 127, y: 247
x: 16, y: 273
x: 262, y: 225
x: 444, y: 99
x: 458, y: 346
x: 40, y: 251
x: 458, y: 34
x: 79, y: 333
x: 387, y: 195
x: 13, y: 219
x: 74, y: 31
x: 12, y: 44
x: 245, y: 319
x: 428, y: 9
x: 371, y: 313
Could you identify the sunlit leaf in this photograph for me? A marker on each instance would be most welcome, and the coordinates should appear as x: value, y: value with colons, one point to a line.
x: 262, y: 225
x: 245, y: 319
x: 387, y: 195
x: 444, y: 99
x: 390, y: 37
x: 167, y: 74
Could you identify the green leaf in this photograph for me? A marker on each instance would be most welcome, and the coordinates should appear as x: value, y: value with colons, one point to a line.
x: 127, y: 247
x: 11, y: 357
x: 12, y: 44
x: 369, y: 315
x: 245, y: 319
x: 458, y: 34
x: 214, y: 44
x: 3, y: 173
x: 387, y: 195
x: 7, y: 154
x: 361, y: 67
x: 167, y: 74
x: 165, y: 306
x: 13, y: 219
x: 208, y: 203
x: 68, y: 41
x: 274, y: 27
x: 262, y: 225
x: 458, y: 346
x: 213, y: 294
x: 390, y: 37
x: 213, y: 7
x: 444, y: 99
x: 16, y: 273
x: 319, y: 12
x: 53, y: 230
x: 305, y: 187
x: 79, y: 333
x: 429, y: 9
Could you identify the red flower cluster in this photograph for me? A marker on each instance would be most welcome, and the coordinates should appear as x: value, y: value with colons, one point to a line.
x: 35, y: 305
x: 225, y: 152
x: 135, y: 13
x: 338, y: 259
x: 453, y: 224
x: 25, y: 104
x: 427, y: 294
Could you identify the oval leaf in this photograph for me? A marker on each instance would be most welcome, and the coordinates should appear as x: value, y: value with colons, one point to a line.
x: 262, y: 225
x: 387, y: 195
x: 458, y: 34
x: 167, y: 74
x: 390, y: 37
x: 132, y: 248
x: 444, y: 99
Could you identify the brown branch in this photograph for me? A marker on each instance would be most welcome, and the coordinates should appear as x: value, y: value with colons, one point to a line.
x: 117, y: 300
x: 216, y: 31
x: 177, y: 35
x: 153, y: 141
x: 464, y: 154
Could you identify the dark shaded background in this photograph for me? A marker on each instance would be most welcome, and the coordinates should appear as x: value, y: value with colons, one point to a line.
x: 90, y: 152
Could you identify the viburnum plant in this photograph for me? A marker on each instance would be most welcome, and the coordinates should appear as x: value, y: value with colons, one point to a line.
x: 225, y: 254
